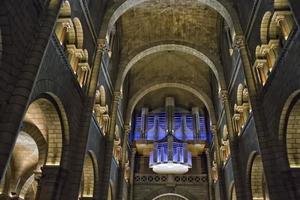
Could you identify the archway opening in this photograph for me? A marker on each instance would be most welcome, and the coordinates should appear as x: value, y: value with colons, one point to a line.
x: 88, y: 178
x: 293, y: 133
x: 170, y: 196
x: 259, y: 190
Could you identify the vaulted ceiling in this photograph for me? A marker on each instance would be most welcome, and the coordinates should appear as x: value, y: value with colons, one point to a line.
x: 158, y: 22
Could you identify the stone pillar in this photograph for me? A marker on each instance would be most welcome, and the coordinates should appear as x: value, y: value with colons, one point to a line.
x: 50, y: 183
x: 109, y: 139
x: 209, y: 175
x: 131, y: 181
x: 272, y: 170
x: 233, y: 146
x: 123, y: 161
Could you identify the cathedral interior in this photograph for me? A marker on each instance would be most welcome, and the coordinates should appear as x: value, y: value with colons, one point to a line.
x: 149, y: 100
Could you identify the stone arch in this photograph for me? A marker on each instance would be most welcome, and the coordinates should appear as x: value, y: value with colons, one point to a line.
x: 288, y: 129
x: 264, y: 27
x: 25, y: 188
x: 88, y: 176
x: 119, y: 8
x: 168, y: 192
x: 256, y: 177
x: 161, y: 48
x: 172, y: 196
x: 79, y: 32
x: 25, y: 161
x: 198, y: 92
x: 41, y: 142
x: 45, y: 114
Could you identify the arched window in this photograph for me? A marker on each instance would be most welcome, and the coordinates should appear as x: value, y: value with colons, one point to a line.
x: 39, y: 143
x: 293, y: 134
x: 258, y: 184
x: 88, y: 178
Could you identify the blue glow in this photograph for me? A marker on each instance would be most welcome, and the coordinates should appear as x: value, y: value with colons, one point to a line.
x: 156, y: 125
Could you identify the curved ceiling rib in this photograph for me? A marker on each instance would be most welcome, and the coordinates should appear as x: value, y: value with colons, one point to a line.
x: 162, y: 48
x: 115, y: 13
x: 158, y: 85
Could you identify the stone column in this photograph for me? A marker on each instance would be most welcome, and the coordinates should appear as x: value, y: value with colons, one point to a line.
x: 109, y: 139
x: 123, y: 161
x: 50, y: 184
x: 209, y: 175
x: 131, y: 181
x: 233, y: 141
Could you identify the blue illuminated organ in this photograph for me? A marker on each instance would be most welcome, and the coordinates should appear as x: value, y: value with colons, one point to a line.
x: 170, y: 137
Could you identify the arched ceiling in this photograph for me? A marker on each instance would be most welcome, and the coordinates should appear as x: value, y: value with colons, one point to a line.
x: 170, y: 66
x: 156, y: 21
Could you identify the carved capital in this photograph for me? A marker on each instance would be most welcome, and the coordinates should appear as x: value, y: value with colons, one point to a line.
x: 127, y: 129
x: 213, y: 129
x: 117, y: 96
x: 239, y: 41
x: 101, y: 46
x: 224, y: 95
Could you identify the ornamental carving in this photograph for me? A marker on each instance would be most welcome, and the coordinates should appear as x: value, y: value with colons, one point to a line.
x: 101, y: 110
